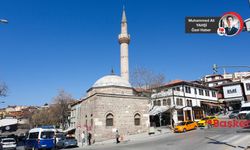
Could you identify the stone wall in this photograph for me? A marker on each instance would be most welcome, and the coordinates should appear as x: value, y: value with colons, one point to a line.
x: 123, y: 108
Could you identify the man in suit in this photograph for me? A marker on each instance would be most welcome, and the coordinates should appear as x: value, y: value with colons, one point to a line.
x: 230, y: 29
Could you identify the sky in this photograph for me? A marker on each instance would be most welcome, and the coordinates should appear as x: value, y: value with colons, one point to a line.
x: 50, y: 45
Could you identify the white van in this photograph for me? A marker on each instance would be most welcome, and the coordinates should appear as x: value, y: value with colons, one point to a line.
x: 244, y: 110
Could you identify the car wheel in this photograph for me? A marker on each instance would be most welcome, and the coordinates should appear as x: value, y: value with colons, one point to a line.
x: 184, y: 130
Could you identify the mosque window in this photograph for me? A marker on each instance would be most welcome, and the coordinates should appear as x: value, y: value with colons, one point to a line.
x: 137, y: 119
x: 164, y: 102
x: 159, y: 103
x: 109, y: 120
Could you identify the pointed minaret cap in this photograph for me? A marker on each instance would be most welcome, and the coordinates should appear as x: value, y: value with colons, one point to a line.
x: 124, y: 18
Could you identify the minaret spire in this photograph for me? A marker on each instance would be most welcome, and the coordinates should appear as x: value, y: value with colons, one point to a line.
x: 124, y: 18
x: 124, y: 39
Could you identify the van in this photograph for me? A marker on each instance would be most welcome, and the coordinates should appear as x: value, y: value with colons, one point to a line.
x: 40, y: 138
x: 244, y: 110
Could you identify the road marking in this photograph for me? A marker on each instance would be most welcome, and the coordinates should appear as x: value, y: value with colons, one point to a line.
x: 231, y: 138
x: 216, y: 136
x: 247, y: 137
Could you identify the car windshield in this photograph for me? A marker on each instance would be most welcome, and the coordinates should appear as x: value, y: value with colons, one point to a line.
x: 70, y: 138
x: 235, y: 111
x: 9, y: 140
x: 245, y: 109
x: 182, y: 124
x: 60, y: 135
x: 47, y: 134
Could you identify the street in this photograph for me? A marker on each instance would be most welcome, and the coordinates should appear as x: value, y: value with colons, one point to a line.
x: 207, y: 139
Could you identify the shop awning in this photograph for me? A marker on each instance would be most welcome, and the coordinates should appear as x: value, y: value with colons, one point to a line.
x: 233, y: 99
x: 158, y: 109
x: 69, y: 130
x: 211, y: 104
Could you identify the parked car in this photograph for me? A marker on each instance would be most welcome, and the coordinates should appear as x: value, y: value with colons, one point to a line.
x: 248, y: 116
x: 234, y: 114
x: 40, y: 138
x: 204, y: 122
x: 244, y: 110
x: 67, y: 142
x: 185, y: 126
x: 8, y: 143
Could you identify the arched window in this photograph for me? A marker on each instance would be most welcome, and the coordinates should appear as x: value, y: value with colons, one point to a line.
x: 109, y: 120
x: 137, y: 119
x: 164, y: 102
x: 159, y: 103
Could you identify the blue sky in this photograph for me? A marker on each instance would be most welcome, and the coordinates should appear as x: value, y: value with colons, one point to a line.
x: 69, y: 44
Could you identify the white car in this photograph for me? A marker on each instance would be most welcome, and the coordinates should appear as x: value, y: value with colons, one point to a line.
x: 244, y: 110
x: 8, y: 143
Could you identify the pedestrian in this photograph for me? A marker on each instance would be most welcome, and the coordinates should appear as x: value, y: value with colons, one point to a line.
x: 86, y: 138
x: 117, y: 136
x: 83, y: 138
x: 89, y: 138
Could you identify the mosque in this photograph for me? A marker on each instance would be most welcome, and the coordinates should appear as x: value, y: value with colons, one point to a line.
x: 112, y: 103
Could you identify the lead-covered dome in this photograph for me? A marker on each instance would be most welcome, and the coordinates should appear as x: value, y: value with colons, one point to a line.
x: 111, y: 80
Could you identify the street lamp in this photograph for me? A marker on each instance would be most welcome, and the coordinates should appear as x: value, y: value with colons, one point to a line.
x: 3, y: 21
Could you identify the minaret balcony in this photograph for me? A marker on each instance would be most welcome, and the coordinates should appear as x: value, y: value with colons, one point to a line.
x: 124, y: 38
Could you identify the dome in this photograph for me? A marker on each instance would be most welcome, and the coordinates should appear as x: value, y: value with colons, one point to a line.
x: 111, y: 80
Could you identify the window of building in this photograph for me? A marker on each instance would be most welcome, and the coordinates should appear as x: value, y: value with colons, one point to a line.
x: 179, y: 102
x: 198, y: 114
x: 189, y: 103
x: 164, y: 102
x: 137, y: 119
x: 154, y: 103
x: 201, y: 92
x: 213, y: 93
x: 195, y: 91
x: 248, y: 86
x: 159, y: 103
x: 180, y: 115
x: 188, y: 89
x: 169, y: 102
x: 109, y: 120
x: 207, y: 93
x: 91, y: 121
x: 178, y: 89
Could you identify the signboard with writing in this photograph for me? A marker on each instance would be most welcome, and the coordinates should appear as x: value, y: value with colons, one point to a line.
x: 232, y: 91
x: 202, y: 24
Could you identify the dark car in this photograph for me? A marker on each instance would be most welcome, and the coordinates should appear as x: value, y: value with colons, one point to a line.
x: 234, y: 114
x: 67, y: 142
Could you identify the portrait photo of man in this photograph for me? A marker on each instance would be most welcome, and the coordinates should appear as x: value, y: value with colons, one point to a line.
x: 230, y: 29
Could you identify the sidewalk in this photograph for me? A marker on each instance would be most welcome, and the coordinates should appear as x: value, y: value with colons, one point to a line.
x: 138, y: 137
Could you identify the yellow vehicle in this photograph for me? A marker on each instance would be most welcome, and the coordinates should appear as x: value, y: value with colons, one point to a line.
x: 209, y: 119
x: 185, y: 126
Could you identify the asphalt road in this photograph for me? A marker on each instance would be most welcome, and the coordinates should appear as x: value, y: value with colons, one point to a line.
x: 200, y: 139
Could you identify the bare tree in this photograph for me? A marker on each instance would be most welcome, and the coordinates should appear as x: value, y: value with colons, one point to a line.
x: 3, y: 89
x: 56, y: 113
x: 146, y: 79
x: 60, y: 108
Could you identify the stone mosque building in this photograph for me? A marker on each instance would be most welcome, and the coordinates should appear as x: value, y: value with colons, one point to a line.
x: 112, y: 104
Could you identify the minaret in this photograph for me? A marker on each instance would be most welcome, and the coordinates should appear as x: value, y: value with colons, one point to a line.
x: 124, y: 39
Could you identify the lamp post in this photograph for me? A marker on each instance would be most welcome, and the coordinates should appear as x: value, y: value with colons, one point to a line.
x: 3, y: 21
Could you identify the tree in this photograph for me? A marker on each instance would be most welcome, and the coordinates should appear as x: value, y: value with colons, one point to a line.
x: 60, y: 108
x: 56, y: 114
x: 144, y: 78
x: 3, y: 90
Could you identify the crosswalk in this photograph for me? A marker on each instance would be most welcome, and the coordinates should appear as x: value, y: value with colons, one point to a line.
x: 231, y: 141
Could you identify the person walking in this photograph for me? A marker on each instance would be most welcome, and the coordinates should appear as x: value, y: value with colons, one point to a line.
x: 117, y: 136
x: 89, y: 138
x: 83, y: 138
